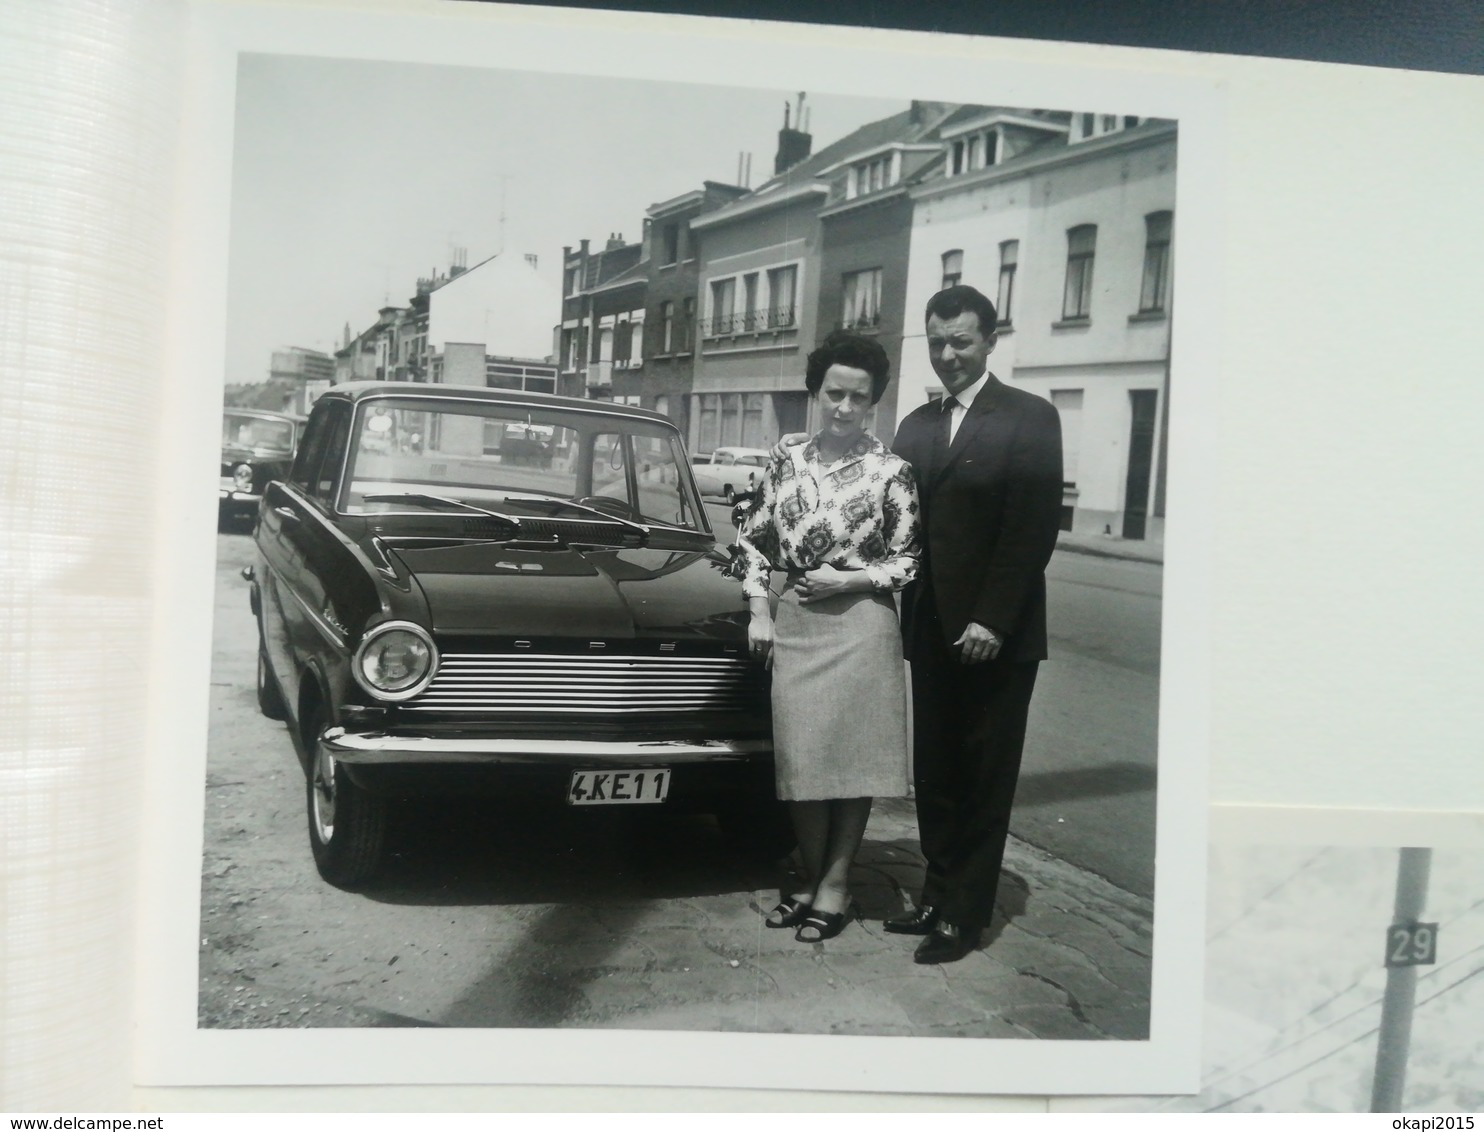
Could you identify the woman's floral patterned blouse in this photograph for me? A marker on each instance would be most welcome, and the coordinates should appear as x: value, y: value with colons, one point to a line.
x: 859, y: 513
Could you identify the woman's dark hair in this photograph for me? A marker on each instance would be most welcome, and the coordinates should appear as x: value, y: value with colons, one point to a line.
x: 846, y: 348
x: 952, y: 301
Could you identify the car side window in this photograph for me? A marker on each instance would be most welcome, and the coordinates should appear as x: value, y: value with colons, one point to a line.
x: 327, y: 478
x: 311, y: 449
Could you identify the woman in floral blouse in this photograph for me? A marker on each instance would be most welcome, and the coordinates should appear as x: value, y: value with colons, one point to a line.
x: 839, y: 515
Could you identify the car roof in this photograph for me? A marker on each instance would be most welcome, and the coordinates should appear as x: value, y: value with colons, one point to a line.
x: 265, y: 414
x: 357, y: 391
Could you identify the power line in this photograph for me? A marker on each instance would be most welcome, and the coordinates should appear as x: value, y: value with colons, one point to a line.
x: 1223, y: 1074
x: 1358, y: 1038
x: 1277, y: 888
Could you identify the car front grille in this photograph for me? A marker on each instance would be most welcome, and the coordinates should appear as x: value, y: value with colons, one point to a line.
x: 553, y: 683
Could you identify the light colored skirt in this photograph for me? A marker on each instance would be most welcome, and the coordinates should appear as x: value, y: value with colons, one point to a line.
x: 839, y: 698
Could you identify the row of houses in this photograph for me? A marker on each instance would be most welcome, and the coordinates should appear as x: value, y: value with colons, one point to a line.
x: 1065, y: 219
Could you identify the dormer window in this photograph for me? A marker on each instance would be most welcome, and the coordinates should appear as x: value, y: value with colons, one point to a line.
x: 872, y: 175
x: 975, y: 151
x: 1086, y: 126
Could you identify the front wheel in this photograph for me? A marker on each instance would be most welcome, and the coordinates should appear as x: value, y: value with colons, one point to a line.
x: 347, y: 825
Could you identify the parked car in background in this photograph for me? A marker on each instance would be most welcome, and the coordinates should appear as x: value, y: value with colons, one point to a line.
x: 728, y: 471
x: 467, y: 590
x: 257, y: 446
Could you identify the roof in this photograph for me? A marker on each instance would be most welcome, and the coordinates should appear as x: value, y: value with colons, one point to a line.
x: 266, y: 414
x: 358, y: 391
x: 638, y: 273
x: 907, y: 126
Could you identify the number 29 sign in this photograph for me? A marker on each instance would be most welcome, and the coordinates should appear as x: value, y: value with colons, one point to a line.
x: 1411, y: 945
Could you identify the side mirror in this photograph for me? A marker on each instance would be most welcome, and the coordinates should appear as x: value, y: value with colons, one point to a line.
x: 742, y: 502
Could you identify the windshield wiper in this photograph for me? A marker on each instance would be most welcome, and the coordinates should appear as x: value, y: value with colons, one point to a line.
x: 562, y: 501
x: 439, y: 500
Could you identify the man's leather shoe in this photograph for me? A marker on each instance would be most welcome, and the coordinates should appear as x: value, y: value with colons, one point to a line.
x: 947, y: 944
x: 920, y: 921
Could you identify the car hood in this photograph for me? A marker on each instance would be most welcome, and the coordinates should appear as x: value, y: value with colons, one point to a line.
x: 609, y: 593
x: 234, y: 453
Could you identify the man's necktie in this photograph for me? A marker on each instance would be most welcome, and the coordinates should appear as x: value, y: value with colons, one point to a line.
x: 940, y: 435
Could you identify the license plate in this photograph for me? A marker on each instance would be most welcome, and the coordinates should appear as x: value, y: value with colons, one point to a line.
x: 618, y: 787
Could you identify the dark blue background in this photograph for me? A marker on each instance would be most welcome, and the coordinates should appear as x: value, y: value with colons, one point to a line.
x: 1435, y: 35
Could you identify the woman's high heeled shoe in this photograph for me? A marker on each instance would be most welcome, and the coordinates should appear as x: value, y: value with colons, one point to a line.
x: 789, y: 913
x: 825, y: 925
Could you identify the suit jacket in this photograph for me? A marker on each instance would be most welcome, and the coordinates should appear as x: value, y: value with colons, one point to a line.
x: 991, y: 506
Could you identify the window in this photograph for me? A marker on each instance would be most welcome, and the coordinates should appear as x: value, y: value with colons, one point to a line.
x: 1077, y: 298
x: 671, y: 241
x: 869, y: 176
x: 327, y: 479
x: 667, y: 327
x: 1110, y: 123
x: 1005, y: 298
x: 622, y: 341
x: 636, y: 347
x: 731, y: 418
x: 569, y: 282
x: 956, y: 158
x: 1087, y: 125
x: 1156, y: 285
x: 1068, y: 404
x: 708, y: 436
x: 992, y: 147
x: 723, y: 300
x: 782, y: 286
x: 752, y: 420
x: 971, y: 159
x: 953, y: 267
x: 687, y: 325
x: 749, y: 301
x: 862, y: 299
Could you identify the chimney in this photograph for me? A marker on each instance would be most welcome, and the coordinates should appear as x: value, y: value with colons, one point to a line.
x: 615, y: 240
x: 793, y: 144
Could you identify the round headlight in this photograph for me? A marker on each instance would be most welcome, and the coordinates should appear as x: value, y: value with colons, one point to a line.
x: 396, y: 661
x: 242, y: 477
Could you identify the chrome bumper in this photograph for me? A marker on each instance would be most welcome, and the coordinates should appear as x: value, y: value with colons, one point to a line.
x: 373, y: 747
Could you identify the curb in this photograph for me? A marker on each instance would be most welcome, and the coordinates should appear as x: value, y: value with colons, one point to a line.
x: 1099, y: 552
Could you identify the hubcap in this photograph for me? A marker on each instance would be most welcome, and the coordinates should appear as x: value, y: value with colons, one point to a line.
x: 324, y: 794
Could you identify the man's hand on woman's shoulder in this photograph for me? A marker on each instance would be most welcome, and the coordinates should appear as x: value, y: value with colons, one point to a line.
x: 785, y: 442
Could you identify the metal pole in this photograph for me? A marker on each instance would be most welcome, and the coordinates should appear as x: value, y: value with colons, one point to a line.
x: 1401, y: 988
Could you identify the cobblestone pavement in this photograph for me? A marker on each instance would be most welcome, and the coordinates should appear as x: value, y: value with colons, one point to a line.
x: 1069, y: 957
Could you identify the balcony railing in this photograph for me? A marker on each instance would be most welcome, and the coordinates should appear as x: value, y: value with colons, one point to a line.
x: 749, y: 322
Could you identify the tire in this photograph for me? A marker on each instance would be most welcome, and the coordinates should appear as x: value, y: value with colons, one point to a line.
x: 270, y: 696
x: 759, y: 828
x: 347, y: 826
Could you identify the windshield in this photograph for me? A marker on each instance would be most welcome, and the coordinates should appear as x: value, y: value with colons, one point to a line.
x: 257, y: 433
x: 518, y: 460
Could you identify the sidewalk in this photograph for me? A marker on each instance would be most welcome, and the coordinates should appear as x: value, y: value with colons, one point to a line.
x: 1111, y: 546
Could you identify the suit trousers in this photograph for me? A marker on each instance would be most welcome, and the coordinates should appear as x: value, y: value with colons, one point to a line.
x: 968, y: 733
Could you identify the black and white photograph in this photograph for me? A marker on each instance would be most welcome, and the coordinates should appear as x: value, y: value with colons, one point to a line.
x: 1339, y: 978
x: 689, y: 560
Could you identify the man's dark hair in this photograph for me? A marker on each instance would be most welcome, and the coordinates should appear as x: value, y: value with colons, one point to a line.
x: 846, y: 348
x: 953, y: 301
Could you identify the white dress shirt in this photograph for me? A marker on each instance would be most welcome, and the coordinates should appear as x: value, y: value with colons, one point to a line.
x: 958, y: 407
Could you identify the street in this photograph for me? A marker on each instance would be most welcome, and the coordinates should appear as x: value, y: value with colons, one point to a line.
x: 489, y: 916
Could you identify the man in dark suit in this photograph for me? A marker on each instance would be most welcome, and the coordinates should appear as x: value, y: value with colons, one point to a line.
x: 988, y: 463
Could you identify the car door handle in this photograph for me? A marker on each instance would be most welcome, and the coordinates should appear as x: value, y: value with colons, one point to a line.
x: 287, y: 513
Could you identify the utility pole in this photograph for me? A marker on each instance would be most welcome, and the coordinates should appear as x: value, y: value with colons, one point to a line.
x: 1408, y: 945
